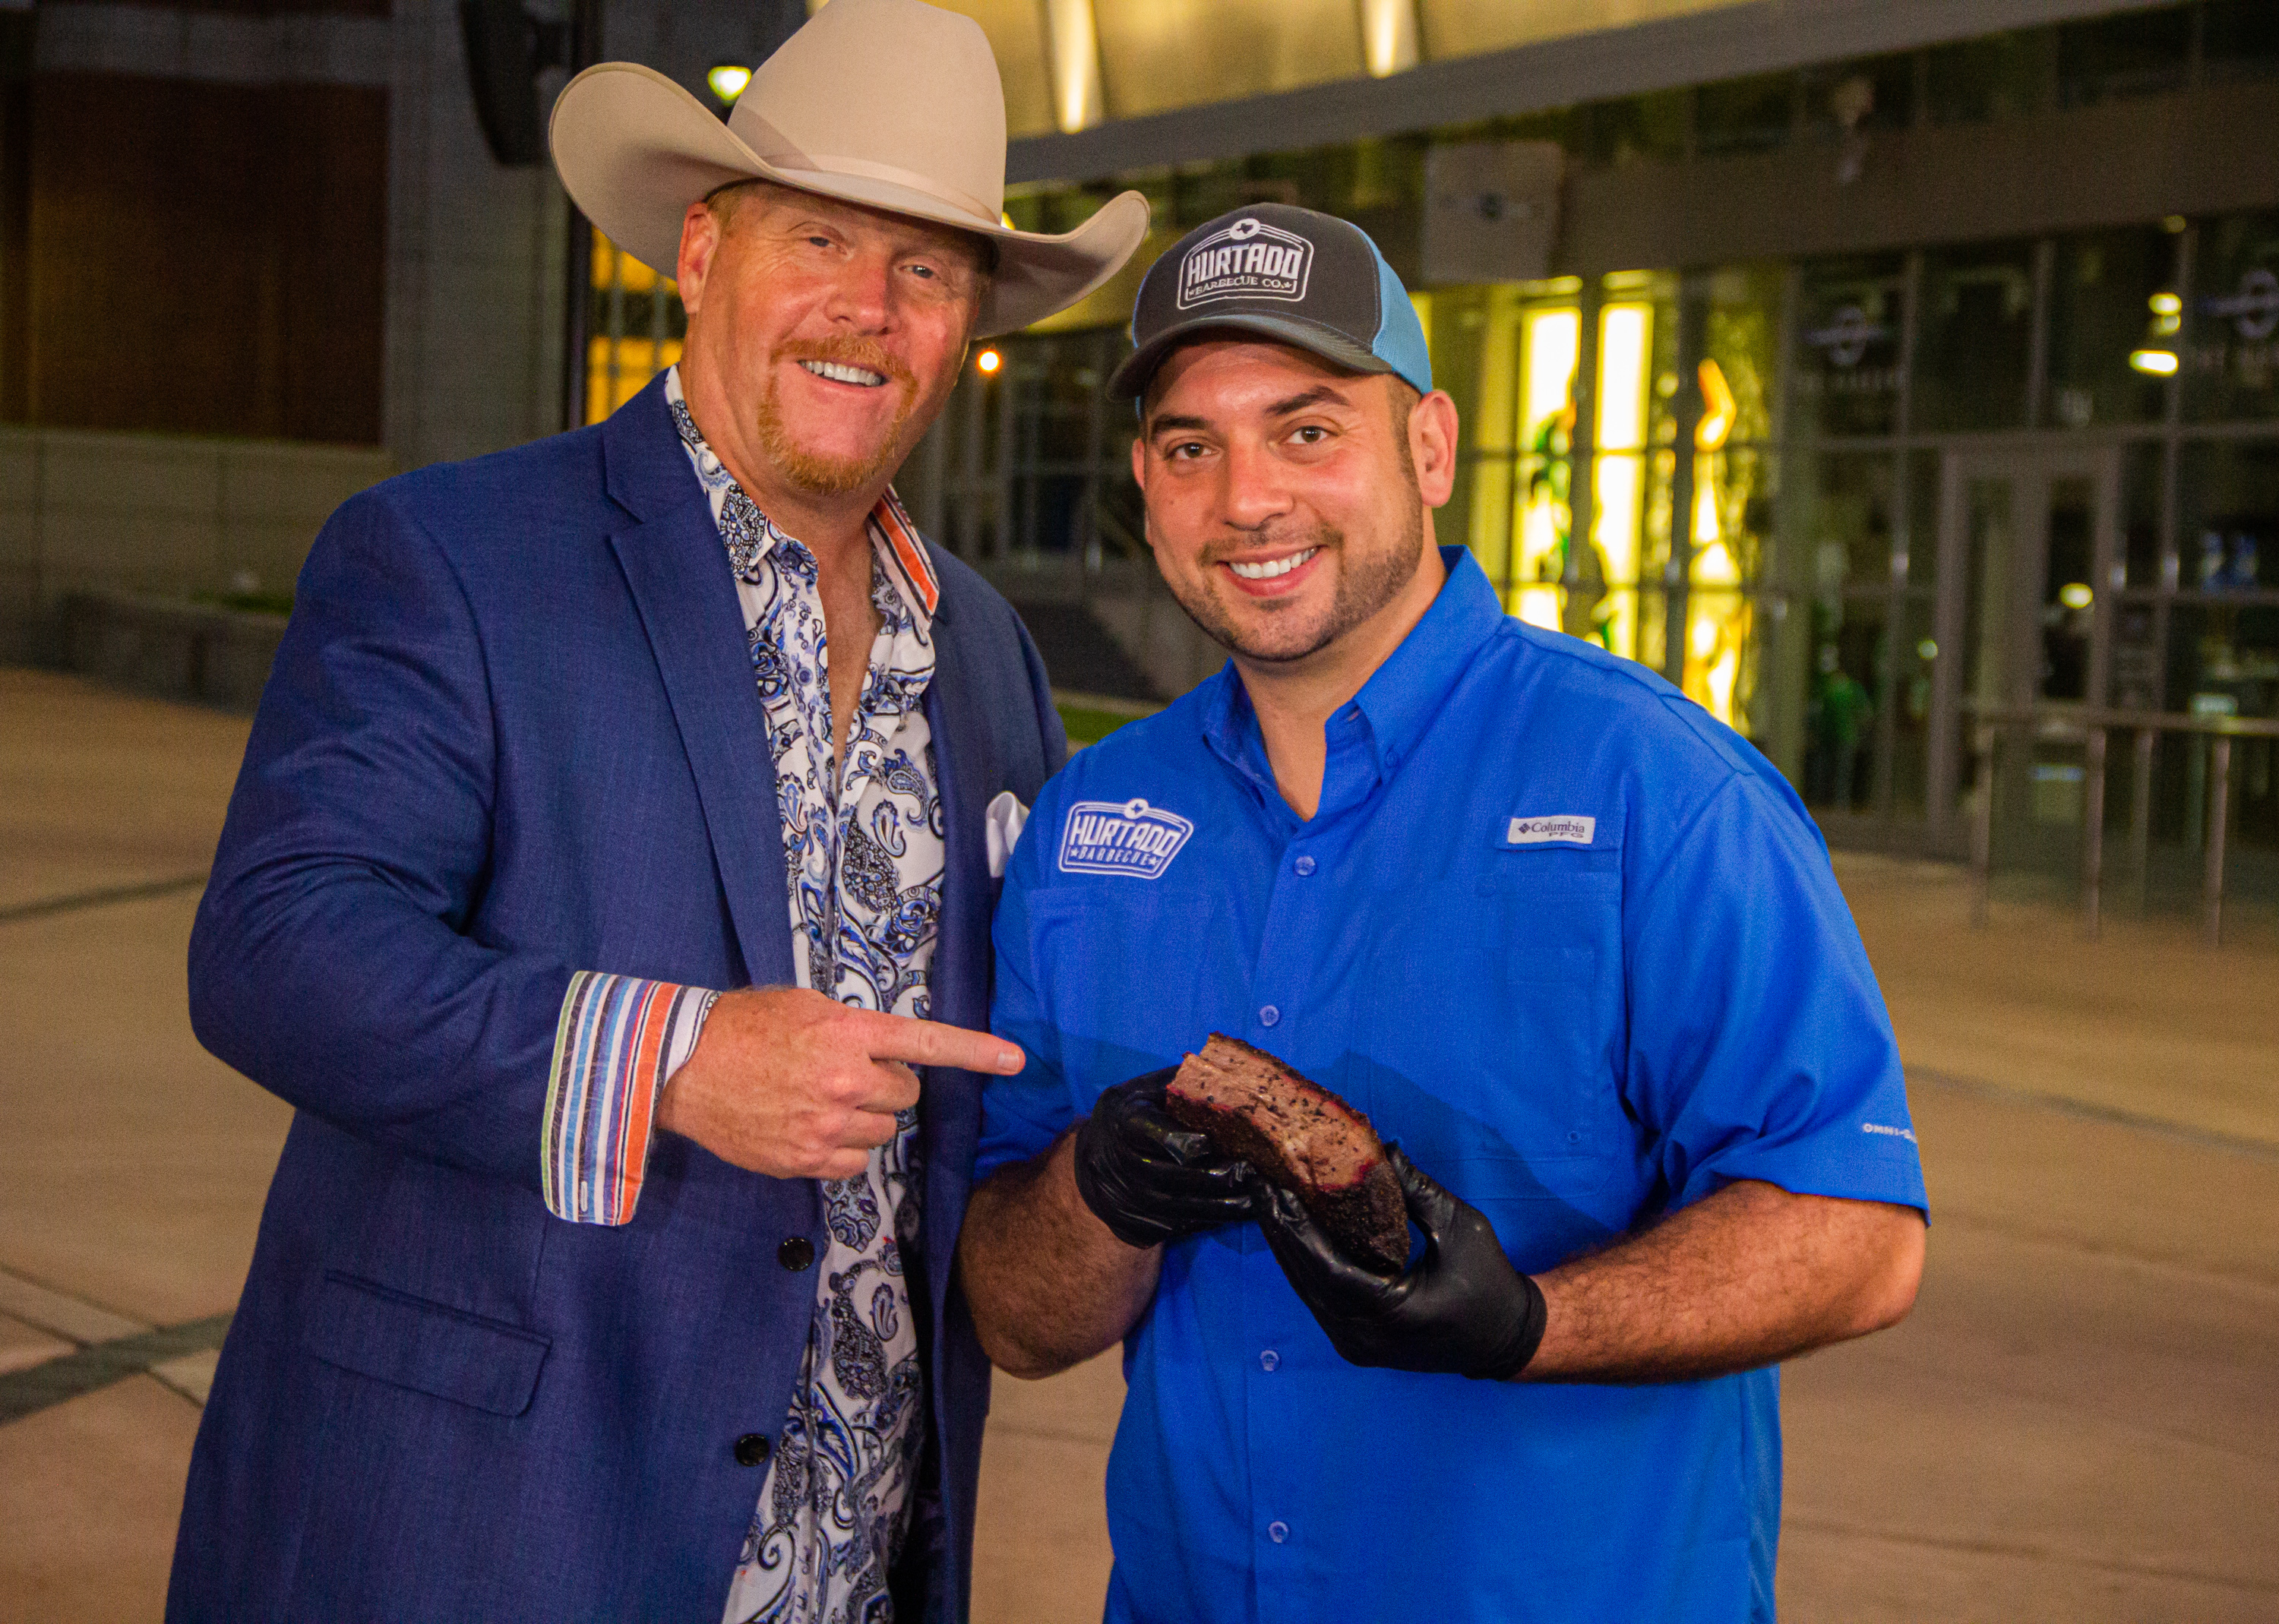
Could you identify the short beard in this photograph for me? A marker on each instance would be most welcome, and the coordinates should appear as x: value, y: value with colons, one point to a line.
x: 833, y: 476
x: 1364, y: 588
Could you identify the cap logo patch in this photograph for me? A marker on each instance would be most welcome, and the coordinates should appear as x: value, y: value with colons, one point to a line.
x: 1248, y: 260
x: 1122, y: 836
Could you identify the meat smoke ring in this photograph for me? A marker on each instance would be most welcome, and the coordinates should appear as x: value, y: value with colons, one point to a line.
x: 1301, y: 1137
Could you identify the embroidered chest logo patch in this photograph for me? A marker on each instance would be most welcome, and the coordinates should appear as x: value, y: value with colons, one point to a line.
x: 1565, y: 829
x: 1121, y: 836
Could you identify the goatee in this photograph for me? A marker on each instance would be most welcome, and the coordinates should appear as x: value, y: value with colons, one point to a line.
x: 815, y: 471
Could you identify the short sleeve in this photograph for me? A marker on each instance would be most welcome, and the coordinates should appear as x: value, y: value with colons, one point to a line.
x: 1759, y: 1048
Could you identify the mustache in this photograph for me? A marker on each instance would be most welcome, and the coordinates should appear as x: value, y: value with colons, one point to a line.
x: 846, y: 349
x: 1294, y: 537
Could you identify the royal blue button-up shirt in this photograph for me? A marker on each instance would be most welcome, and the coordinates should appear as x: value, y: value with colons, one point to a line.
x: 1574, y: 945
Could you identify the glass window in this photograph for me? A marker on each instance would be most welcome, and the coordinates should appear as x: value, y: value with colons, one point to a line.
x: 1924, y: 478
x: 1848, y: 640
x: 1162, y: 54
x: 1845, y: 511
x: 2232, y: 350
x: 2136, y: 654
x: 1977, y: 333
x: 1914, y: 657
x: 1742, y: 341
x: 2001, y: 76
x: 1475, y: 346
x: 1847, y: 365
x: 1550, y: 337
x: 2140, y: 536
x: 1593, y: 609
x: 1640, y: 128
x: 2136, y: 53
x: 2115, y: 312
x: 1890, y: 99
x: 635, y: 325
x: 2227, y: 517
x: 2223, y: 659
x: 1744, y: 115
x: 2240, y: 40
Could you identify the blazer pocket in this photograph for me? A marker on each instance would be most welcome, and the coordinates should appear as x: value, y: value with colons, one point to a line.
x: 407, y: 1341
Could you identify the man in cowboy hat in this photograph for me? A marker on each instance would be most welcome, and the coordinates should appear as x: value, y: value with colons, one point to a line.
x: 611, y: 846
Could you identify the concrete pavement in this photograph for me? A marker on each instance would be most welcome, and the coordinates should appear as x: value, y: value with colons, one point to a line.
x: 2077, y: 1424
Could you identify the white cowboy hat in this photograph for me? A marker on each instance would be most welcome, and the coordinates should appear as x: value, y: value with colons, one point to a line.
x: 890, y: 104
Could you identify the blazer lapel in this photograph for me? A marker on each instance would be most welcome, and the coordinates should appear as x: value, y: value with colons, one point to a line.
x: 958, y: 980
x: 677, y: 571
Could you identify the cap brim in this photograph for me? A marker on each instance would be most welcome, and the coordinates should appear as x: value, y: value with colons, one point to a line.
x: 634, y: 149
x: 1129, y: 381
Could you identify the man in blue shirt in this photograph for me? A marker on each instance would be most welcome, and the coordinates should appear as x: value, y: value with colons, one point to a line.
x: 1570, y: 943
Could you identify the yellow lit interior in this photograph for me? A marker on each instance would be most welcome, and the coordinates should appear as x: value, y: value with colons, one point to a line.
x: 1716, y: 615
x: 1492, y: 433
x: 1625, y: 347
x: 614, y: 372
x: 1551, y: 339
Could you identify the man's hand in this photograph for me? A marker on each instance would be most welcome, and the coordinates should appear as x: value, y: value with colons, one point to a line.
x: 793, y: 1084
x: 1462, y: 1308
x: 1151, y: 1181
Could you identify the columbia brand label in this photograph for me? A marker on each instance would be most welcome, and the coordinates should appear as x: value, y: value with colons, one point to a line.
x: 1248, y: 260
x: 1563, y: 830
x: 1122, y: 836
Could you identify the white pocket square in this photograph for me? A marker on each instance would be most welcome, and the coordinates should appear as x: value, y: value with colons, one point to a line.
x: 1003, y: 822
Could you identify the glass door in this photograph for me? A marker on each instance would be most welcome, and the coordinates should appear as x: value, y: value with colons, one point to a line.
x: 2028, y: 545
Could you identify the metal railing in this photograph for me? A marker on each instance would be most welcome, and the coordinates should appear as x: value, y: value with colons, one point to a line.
x: 2092, y: 726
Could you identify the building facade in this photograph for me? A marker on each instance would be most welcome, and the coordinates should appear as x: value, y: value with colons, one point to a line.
x: 1856, y: 365
x: 1855, y: 395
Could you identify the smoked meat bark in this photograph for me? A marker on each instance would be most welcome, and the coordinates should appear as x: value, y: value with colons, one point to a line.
x: 1301, y: 1137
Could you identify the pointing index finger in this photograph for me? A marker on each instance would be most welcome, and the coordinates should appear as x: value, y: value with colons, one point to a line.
x: 932, y: 1043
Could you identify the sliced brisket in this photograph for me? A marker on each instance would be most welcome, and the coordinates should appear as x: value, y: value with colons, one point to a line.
x: 1301, y: 1137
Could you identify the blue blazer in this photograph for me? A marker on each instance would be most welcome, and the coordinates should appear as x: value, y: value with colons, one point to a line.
x: 512, y: 732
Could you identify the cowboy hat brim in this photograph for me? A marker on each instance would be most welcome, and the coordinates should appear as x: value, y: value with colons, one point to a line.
x: 634, y: 149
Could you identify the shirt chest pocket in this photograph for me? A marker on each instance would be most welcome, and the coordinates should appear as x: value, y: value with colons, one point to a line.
x: 1122, y: 969
x: 1492, y: 1017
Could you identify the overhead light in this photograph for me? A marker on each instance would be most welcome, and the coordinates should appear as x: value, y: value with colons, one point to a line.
x: 2076, y: 595
x: 2174, y: 223
x: 1389, y: 41
x: 988, y: 360
x: 728, y: 80
x: 1927, y: 651
x: 2158, y: 362
x: 2166, y: 304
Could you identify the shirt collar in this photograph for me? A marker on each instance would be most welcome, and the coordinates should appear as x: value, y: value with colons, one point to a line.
x: 893, y: 538
x: 1390, y: 716
x: 1404, y: 695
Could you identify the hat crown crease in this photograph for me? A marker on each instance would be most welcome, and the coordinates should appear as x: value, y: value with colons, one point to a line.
x: 908, y: 114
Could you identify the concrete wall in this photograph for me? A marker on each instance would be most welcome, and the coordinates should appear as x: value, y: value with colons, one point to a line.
x: 157, y: 514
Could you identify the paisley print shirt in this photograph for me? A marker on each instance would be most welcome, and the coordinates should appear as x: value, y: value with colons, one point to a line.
x: 864, y: 854
x: 863, y: 857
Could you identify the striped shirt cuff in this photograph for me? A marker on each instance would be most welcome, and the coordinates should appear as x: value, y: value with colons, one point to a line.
x: 620, y: 1040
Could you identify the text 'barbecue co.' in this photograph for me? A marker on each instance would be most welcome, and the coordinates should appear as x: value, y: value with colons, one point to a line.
x: 1121, y: 836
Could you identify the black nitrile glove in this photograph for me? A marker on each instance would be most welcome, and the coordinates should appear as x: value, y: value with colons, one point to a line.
x: 1152, y: 1181
x: 1463, y: 1308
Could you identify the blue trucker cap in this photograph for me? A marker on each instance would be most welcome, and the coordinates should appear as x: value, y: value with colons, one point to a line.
x: 1287, y: 273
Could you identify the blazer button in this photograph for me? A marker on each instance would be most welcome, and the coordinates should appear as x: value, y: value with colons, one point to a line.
x: 796, y: 1253
x: 751, y: 1450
